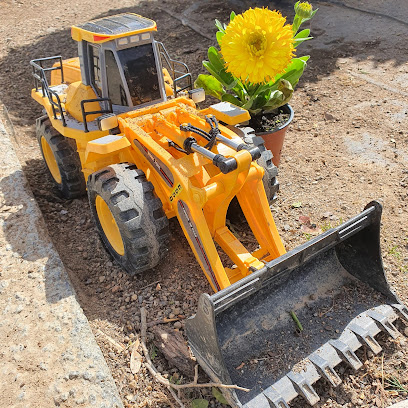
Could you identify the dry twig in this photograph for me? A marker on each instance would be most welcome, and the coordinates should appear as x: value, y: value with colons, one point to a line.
x: 119, y: 347
x: 153, y: 371
x: 150, y: 284
x: 164, y: 321
x: 176, y: 397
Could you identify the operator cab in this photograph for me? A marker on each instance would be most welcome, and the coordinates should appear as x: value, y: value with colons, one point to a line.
x: 121, y: 61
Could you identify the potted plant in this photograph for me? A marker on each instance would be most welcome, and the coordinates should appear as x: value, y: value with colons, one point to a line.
x: 256, y: 68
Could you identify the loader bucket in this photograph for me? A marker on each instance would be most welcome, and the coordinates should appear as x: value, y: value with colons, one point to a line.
x: 336, y: 289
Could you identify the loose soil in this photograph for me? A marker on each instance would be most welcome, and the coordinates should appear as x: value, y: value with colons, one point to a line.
x: 347, y: 145
x: 269, y: 122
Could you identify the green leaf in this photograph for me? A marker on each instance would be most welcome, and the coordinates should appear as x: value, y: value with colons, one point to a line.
x: 261, y: 99
x: 221, y: 74
x: 218, y: 396
x: 280, y: 96
x: 219, y: 36
x: 232, y: 99
x: 294, y: 71
x: 214, y: 57
x: 210, y: 84
x: 301, y: 36
x: 232, y: 85
x: 277, y: 99
x: 232, y: 15
x: 219, y: 25
x: 199, y: 403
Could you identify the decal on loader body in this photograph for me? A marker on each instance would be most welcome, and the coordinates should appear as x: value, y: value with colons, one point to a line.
x: 175, y: 192
x: 191, y: 229
x: 160, y: 167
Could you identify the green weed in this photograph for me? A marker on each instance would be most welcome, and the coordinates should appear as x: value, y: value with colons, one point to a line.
x: 395, y: 384
x: 153, y: 352
x: 395, y: 252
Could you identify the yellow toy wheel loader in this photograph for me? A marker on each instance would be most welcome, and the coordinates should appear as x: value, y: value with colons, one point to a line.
x: 122, y: 118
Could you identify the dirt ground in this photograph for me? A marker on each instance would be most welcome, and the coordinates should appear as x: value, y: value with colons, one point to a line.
x: 347, y: 145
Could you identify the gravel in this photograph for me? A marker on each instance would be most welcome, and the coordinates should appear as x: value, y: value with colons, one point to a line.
x: 48, y: 350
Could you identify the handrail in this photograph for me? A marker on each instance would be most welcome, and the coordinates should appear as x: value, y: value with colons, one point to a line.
x: 101, y: 111
x: 179, y: 70
x: 39, y: 74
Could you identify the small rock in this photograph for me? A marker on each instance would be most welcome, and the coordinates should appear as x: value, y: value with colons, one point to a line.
x: 102, y: 279
x: 43, y: 366
x: 177, y: 325
x: 87, y: 376
x: 115, y: 289
x: 329, y: 116
x: 73, y: 374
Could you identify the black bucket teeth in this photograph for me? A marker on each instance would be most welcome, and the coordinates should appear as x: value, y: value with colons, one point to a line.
x: 384, y: 323
x: 303, y: 387
x: 402, y: 311
x: 347, y: 354
x: 270, y: 398
x: 365, y: 338
x: 360, y: 332
x: 325, y: 369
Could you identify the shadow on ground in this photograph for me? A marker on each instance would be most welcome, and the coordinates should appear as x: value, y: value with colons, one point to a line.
x: 340, y: 30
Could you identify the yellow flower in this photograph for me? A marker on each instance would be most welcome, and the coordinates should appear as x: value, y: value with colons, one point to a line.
x: 304, y: 9
x: 257, y: 45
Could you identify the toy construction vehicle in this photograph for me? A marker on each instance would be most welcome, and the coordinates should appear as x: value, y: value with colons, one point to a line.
x: 122, y: 118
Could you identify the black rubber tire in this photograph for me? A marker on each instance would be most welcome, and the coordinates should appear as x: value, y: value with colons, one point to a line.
x: 64, y: 150
x: 270, y: 180
x: 138, y: 212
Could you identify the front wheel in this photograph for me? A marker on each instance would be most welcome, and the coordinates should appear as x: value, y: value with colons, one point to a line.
x: 129, y: 216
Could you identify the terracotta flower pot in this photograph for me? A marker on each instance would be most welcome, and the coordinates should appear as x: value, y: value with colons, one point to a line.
x: 274, y: 140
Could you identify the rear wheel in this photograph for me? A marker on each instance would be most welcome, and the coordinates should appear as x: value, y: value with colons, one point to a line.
x: 270, y: 180
x: 62, y: 160
x: 129, y: 216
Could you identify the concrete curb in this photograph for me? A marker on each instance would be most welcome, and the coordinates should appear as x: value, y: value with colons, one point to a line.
x: 49, y: 356
x: 402, y: 404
